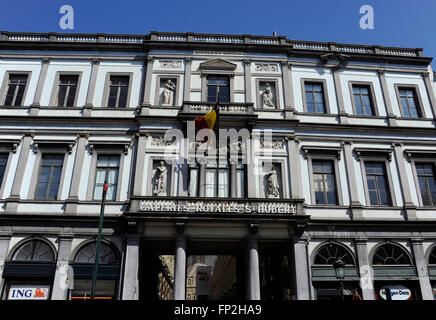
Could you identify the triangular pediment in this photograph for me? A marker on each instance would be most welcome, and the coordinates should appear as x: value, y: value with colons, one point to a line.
x: 217, y: 64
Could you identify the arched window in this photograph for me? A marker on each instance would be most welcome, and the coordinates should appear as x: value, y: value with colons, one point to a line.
x: 432, y: 256
x: 87, y: 253
x: 391, y: 254
x: 331, y: 252
x: 34, y: 251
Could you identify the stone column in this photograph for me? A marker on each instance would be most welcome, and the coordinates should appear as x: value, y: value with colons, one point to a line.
x: 295, y: 168
x: 131, y: 268
x: 288, y: 89
x: 146, y: 102
x: 73, y: 197
x: 180, y: 267
x: 247, y: 81
x: 4, y: 246
x: 139, y: 165
x: 392, y: 118
x: 430, y: 92
x: 91, y: 88
x: 62, y: 276
x: 365, y: 270
x: 343, y: 116
x: 187, y: 86
x: 12, y: 201
x: 356, y: 206
x: 408, y: 204
x: 253, y: 281
x: 34, y: 108
x: 302, y: 268
x: 422, y: 269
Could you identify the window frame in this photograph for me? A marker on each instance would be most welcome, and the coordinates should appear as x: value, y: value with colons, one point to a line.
x: 418, y: 100
x: 93, y: 170
x: 425, y: 158
x: 323, y: 83
x: 106, y: 169
x: 229, y: 74
x: 7, y: 147
x: 5, y: 86
x: 55, y: 90
x: 105, y: 99
x: 37, y: 170
x: 327, y: 154
x: 372, y: 98
x: 384, y: 156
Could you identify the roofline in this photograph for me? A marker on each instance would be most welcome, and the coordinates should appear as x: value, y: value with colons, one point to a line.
x: 200, y: 41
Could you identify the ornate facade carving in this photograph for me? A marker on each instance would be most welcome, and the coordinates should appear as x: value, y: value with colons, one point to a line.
x: 170, y: 64
x: 266, y: 67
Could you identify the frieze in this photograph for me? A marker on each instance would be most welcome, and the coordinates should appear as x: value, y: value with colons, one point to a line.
x: 272, y: 144
x: 216, y: 207
x: 160, y: 141
x: 266, y: 67
x: 170, y: 64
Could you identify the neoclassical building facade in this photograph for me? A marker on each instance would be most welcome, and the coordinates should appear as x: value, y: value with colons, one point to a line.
x: 333, y: 158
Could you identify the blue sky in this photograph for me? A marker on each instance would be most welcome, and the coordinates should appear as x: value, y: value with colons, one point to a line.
x: 406, y: 23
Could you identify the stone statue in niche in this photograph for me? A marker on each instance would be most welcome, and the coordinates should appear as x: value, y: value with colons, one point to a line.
x: 168, y: 93
x: 160, y: 182
x: 273, y: 184
x: 267, y: 97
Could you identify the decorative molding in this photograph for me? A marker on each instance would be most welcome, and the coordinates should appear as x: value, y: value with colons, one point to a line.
x: 248, y: 61
x: 308, y: 150
x: 272, y: 144
x: 105, y: 145
x: 46, y: 60
x: 419, y: 154
x: 68, y: 146
x: 96, y: 60
x: 286, y: 63
x: 150, y: 59
x: 426, y: 74
x: 266, y: 67
x: 160, y: 141
x: 170, y: 64
x: 369, y: 153
x: 189, y: 60
x: 381, y: 72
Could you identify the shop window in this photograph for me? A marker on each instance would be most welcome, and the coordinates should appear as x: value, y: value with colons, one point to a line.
x: 108, y: 274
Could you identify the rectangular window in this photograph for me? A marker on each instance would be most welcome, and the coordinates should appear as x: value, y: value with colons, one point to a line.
x: 363, y: 100
x: 49, y: 176
x: 15, y: 92
x: 427, y: 183
x: 376, y: 180
x: 3, y: 162
x: 118, y: 90
x: 324, y: 182
x: 107, y: 170
x: 218, y: 82
x: 223, y: 181
x: 409, y: 102
x: 67, y: 90
x: 314, y: 97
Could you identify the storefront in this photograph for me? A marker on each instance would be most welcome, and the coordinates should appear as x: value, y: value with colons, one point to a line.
x: 30, y: 271
x: 330, y: 283
x: 395, y: 277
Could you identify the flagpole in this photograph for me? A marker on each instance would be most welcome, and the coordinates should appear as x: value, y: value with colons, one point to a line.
x: 97, y: 251
x: 217, y: 136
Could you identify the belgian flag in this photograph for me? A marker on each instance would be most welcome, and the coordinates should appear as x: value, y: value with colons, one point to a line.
x: 207, y: 122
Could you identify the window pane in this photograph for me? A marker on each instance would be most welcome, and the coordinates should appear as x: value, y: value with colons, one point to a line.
x: 41, y: 190
x: 210, y: 183
x: 53, y: 192
x: 223, y: 180
x: 123, y: 98
x: 101, y: 175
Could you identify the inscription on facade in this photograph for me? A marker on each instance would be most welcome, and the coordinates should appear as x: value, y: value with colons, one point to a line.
x: 215, y: 207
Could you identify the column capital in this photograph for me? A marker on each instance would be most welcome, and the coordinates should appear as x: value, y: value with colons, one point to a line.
x: 188, y: 60
x: 286, y: 63
x: 96, y: 60
x: 426, y: 74
x: 46, y: 60
x: 150, y: 59
x: 248, y: 62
